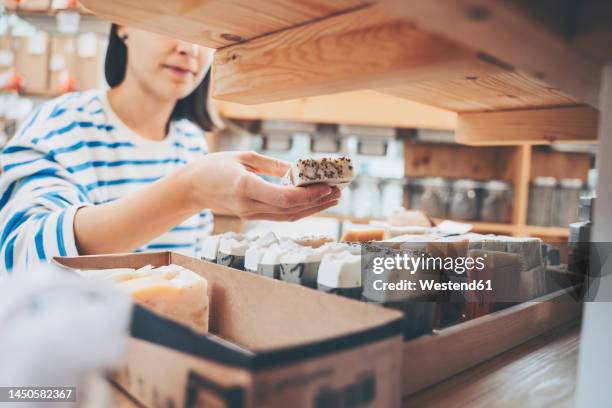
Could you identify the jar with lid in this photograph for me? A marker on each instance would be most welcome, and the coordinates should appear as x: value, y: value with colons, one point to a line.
x: 496, y: 201
x: 465, y: 203
x: 435, y: 198
x: 541, y: 201
x: 567, y: 201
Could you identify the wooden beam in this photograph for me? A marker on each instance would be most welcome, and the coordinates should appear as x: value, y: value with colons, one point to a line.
x: 354, y: 108
x: 216, y: 23
x: 501, y: 31
x: 521, y: 168
x: 367, y: 48
x: 500, y: 90
x: 575, y: 124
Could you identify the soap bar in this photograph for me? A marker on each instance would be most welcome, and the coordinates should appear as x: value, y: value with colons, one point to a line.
x: 301, y: 265
x: 340, y: 273
x: 269, y: 264
x: 313, y: 241
x: 172, y: 291
x: 328, y: 170
x: 363, y: 235
x: 210, y: 246
x: 408, y: 218
x: 232, y: 251
x: 256, y: 251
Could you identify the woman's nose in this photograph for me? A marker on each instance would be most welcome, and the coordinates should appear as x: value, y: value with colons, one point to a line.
x: 186, y: 48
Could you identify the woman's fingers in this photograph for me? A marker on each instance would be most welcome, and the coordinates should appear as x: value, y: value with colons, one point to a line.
x: 292, y: 216
x: 255, y: 188
x: 258, y: 163
x: 251, y: 207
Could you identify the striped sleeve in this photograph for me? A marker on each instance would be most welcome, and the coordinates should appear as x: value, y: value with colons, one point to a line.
x: 38, y: 201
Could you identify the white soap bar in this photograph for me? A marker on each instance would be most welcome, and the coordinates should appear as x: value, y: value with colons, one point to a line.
x: 210, y: 246
x: 333, y: 171
x: 234, y: 246
x: 255, y: 252
x: 340, y: 270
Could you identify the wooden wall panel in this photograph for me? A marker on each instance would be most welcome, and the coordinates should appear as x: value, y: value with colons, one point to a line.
x: 560, y: 164
x: 457, y: 161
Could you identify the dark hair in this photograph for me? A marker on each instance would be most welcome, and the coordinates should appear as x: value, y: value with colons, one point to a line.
x: 193, y: 107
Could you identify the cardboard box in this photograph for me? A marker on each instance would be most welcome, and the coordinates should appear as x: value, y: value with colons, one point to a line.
x: 31, y: 62
x: 272, y: 344
x: 62, y: 65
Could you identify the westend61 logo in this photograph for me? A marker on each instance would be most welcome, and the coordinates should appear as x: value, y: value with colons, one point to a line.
x: 424, y: 263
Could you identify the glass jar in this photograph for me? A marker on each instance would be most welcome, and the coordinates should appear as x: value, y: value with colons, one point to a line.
x: 392, y: 191
x: 413, y: 189
x: 366, y: 197
x: 435, y: 197
x: 541, y: 200
x: 566, y: 202
x: 465, y: 203
x: 496, y: 202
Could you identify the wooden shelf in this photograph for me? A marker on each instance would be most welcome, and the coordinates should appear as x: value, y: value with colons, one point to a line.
x: 349, y: 107
x: 503, y: 70
x: 546, y: 232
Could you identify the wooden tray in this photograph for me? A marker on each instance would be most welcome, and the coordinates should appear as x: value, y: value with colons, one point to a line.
x: 432, y: 358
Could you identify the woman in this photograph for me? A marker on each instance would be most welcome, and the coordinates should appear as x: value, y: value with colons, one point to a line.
x: 126, y: 170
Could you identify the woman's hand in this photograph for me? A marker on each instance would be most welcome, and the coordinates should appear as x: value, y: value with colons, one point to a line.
x: 228, y: 183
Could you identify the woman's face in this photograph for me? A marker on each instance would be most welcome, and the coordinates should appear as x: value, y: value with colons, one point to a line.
x: 171, y: 69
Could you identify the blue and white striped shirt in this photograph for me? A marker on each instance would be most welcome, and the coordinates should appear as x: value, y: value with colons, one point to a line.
x: 72, y: 152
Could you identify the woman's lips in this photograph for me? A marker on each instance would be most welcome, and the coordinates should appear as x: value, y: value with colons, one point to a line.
x: 179, y: 70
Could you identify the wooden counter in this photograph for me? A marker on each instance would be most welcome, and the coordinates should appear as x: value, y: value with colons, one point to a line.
x: 541, y: 372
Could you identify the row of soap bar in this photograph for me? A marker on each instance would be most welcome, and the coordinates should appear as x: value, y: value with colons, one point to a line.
x: 515, y: 266
x: 315, y: 262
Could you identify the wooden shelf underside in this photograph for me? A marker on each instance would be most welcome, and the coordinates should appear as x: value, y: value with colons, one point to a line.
x: 495, y: 65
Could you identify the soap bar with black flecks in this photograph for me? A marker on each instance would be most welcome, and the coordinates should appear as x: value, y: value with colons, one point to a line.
x: 333, y: 171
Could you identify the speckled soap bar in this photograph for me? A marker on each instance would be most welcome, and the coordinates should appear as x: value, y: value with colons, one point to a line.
x: 333, y: 171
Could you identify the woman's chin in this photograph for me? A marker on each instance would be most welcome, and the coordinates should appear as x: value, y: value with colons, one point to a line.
x: 178, y: 90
